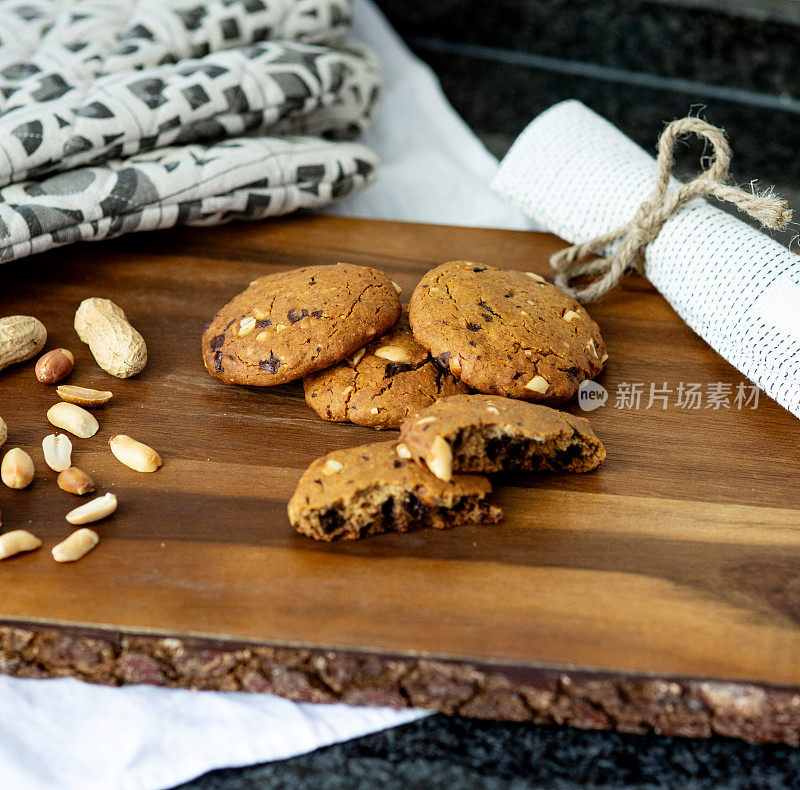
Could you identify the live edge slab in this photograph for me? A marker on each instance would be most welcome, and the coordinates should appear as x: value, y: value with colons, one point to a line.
x: 660, y: 593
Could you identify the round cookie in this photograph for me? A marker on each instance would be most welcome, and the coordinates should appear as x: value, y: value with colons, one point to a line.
x: 362, y: 491
x: 505, y: 332
x: 486, y: 433
x: 286, y: 325
x: 382, y: 384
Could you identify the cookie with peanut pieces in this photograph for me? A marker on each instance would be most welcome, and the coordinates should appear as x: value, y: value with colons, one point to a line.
x: 487, y: 433
x: 381, y: 384
x: 361, y: 491
x: 506, y: 332
x: 286, y: 325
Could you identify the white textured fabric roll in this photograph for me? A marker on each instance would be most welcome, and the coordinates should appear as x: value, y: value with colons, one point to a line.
x: 579, y: 176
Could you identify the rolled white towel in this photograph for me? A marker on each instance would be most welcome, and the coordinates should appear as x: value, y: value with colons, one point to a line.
x: 579, y: 176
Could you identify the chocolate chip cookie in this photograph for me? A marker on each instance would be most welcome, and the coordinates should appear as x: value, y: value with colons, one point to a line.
x: 381, y: 384
x: 286, y: 325
x: 366, y: 490
x: 482, y: 433
x: 506, y: 332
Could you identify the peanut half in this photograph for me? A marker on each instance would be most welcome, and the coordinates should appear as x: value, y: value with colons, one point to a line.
x: 538, y: 384
x: 77, y: 545
x: 3, y: 432
x: 95, y: 510
x: 116, y: 346
x: 16, y: 471
x: 17, y: 541
x: 134, y: 454
x: 440, y: 459
x: 21, y: 337
x: 75, y: 481
x: 54, y: 365
x: 355, y: 358
x: 332, y: 466
x: 83, y: 396
x: 57, y: 450
x: 537, y: 278
x: 74, y: 419
x: 392, y: 353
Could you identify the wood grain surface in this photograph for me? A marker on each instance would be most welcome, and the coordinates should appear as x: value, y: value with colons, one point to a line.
x: 677, y: 558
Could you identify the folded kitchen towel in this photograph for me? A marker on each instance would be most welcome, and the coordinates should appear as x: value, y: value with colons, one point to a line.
x: 580, y: 177
x: 243, y: 178
x: 111, y: 114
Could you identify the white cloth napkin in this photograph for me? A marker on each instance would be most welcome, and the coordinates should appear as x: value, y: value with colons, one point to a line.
x: 579, y: 176
x: 432, y: 168
x: 66, y: 734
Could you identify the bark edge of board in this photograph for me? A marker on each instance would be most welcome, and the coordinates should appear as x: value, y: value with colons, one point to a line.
x: 595, y: 700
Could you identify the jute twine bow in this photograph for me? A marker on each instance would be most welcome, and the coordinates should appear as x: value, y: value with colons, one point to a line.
x: 570, y: 263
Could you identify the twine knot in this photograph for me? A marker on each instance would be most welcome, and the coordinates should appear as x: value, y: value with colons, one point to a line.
x: 571, y: 263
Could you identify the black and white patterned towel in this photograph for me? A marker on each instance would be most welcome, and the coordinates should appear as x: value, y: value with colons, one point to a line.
x: 130, y: 115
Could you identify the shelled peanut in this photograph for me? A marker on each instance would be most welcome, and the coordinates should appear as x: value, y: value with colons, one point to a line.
x: 83, y: 396
x: 16, y: 542
x: 77, y: 545
x: 74, y: 419
x: 54, y: 365
x: 57, y: 450
x: 75, y: 481
x: 16, y: 470
x: 95, y: 510
x: 134, y: 454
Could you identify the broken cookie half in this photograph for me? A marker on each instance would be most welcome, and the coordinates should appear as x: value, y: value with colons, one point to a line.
x: 485, y: 433
x: 367, y: 490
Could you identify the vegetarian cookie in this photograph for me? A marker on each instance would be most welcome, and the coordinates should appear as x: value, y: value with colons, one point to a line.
x: 481, y: 433
x: 365, y: 490
x: 380, y: 385
x: 505, y: 332
x: 288, y: 324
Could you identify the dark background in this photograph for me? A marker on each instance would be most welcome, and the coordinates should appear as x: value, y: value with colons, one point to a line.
x: 640, y: 64
x: 445, y: 754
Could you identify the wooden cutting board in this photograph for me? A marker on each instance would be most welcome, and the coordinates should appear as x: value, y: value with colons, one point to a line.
x: 659, y: 593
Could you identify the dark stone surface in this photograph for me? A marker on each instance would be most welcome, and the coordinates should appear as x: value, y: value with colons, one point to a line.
x: 674, y: 41
x: 499, y: 99
x: 451, y: 753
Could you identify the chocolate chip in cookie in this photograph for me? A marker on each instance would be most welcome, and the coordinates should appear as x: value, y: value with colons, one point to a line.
x: 366, y: 490
x: 484, y: 433
x: 506, y: 332
x: 286, y: 325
